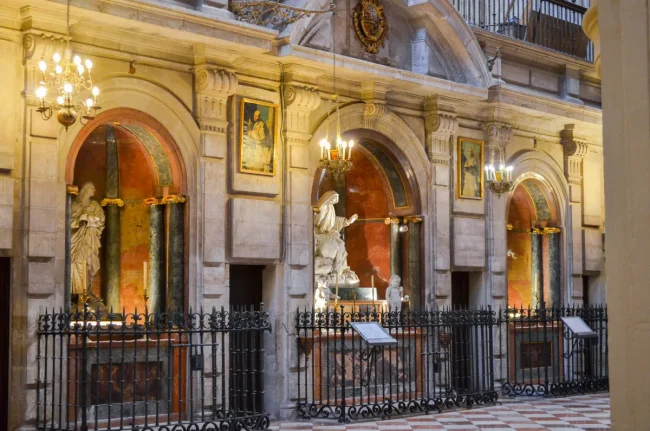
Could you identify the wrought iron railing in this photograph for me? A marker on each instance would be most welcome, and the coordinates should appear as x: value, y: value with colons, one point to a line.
x: 181, y: 371
x: 539, y: 355
x: 553, y: 24
x: 442, y: 360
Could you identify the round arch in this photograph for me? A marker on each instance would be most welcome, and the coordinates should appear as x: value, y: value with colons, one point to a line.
x: 161, y: 113
x: 398, y: 139
x: 539, y: 167
x: 150, y: 105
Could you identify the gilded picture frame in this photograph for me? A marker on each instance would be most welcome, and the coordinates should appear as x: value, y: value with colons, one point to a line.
x: 258, y: 136
x: 470, y: 162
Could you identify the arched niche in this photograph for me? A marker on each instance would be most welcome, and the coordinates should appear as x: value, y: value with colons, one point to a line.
x: 535, y: 243
x: 380, y: 186
x: 139, y: 177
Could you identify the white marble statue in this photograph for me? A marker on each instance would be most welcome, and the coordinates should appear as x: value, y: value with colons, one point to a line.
x: 330, y: 256
x: 87, y: 222
x: 323, y: 295
x: 394, y: 294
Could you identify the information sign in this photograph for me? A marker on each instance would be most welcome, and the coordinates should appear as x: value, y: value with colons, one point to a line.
x: 374, y: 334
x: 579, y: 327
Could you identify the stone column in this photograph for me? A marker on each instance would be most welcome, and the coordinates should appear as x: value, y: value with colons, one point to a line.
x: 536, y: 269
x: 175, y: 215
x: 414, y: 262
x: 113, y: 203
x: 497, y: 137
x: 157, y: 265
x: 440, y: 126
x: 574, y: 153
x: 395, y: 247
x: 554, y: 267
x: 624, y: 41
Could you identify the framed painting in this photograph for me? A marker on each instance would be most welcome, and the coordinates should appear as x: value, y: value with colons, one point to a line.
x: 469, y: 172
x: 257, y: 137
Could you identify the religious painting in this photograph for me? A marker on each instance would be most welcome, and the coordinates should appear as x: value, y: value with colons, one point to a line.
x: 469, y: 177
x: 257, y: 137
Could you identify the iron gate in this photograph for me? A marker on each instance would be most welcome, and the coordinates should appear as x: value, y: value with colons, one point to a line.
x: 180, y: 371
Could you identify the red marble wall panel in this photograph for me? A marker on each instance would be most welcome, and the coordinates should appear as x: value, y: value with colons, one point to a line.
x: 137, y: 182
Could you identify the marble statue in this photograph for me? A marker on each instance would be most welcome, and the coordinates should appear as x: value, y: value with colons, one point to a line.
x: 394, y: 294
x: 323, y: 295
x: 330, y: 255
x: 87, y: 223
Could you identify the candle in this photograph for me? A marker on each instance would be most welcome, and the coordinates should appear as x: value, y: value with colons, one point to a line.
x: 372, y: 281
x: 85, y: 293
x: 144, y: 277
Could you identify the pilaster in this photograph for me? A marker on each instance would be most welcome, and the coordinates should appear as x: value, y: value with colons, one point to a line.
x: 214, y: 86
x: 497, y: 137
x: 441, y: 125
x: 300, y: 101
x: 575, y: 150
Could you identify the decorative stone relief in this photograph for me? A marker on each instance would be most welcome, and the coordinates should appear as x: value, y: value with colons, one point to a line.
x: 440, y: 126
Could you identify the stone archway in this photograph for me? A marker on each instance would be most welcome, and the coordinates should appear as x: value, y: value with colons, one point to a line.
x: 537, y: 236
x: 151, y: 114
x: 385, y: 144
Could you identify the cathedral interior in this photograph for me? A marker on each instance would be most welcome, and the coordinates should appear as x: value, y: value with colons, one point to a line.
x: 234, y: 213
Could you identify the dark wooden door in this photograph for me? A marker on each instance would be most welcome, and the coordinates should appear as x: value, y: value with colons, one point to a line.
x: 5, y: 316
x: 247, y: 386
x: 461, y: 343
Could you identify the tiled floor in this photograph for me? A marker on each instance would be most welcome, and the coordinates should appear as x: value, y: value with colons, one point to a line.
x: 588, y: 412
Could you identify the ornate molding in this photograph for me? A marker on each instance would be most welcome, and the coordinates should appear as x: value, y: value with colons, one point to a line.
x: 372, y: 112
x: 391, y: 220
x: 109, y: 201
x: 413, y: 219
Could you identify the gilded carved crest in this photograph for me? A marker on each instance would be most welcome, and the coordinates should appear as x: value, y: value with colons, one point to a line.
x: 370, y: 24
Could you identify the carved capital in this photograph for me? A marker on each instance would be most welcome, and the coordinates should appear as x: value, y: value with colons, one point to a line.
x: 216, y: 82
x: 372, y: 112
x: 301, y: 98
x: 440, y: 126
x: 497, y: 134
x: 39, y: 46
x: 299, y: 102
x: 172, y: 199
x: 574, y: 152
x: 108, y: 201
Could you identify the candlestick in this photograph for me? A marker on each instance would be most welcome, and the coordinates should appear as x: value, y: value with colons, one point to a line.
x: 146, y: 283
x: 85, y: 292
x: 336, y: 300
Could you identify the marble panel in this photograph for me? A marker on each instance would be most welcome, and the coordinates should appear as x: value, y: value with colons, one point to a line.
x: 593, y: 250
x: 469, y: 242
x: 256, y: 226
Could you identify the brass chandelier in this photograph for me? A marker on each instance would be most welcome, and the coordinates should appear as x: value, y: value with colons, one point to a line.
x: 499, y: 180
x: 67, y: 78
